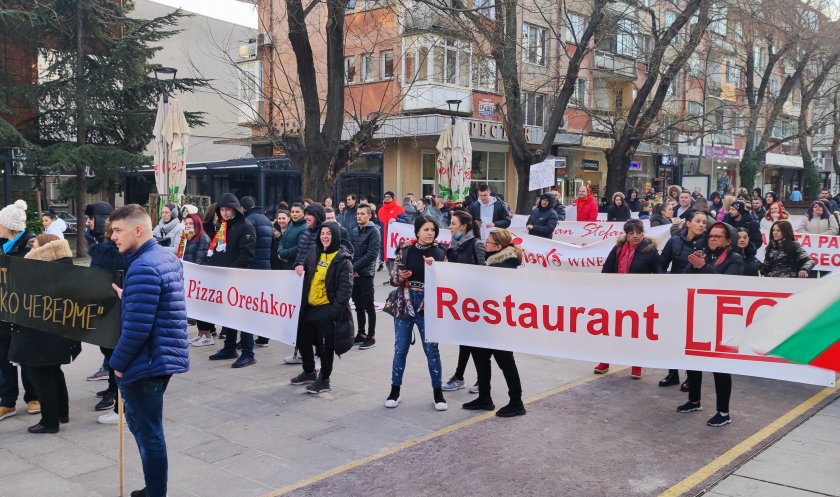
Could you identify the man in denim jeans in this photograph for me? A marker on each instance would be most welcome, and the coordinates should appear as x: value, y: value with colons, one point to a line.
x: 153, y: 344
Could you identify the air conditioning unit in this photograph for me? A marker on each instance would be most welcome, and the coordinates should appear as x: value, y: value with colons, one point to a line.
x: 248, y: 51
x: 265, y: 40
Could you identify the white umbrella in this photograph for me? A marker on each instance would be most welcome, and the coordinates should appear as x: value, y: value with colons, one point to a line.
x: 454, y: 161
x: 172, y: 134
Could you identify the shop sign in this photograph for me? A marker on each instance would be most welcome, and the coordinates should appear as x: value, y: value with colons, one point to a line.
x: 596, y: 142
x: 560, y: 165
x: 636, y: 165
x: 589, y: 165
x: 486, y: 108
x: 721, y: 153
x: 493, y: 130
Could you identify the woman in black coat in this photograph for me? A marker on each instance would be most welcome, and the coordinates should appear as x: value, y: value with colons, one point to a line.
x: 465, y: 248
x: 327, y: 286
x: 501, y: 252
x: 543, y: 218
x: 618, y: 210
x: 718, y: 258
x: 632, y: 254
x: 633, y: 201
x: 42, y: 354
x: 747, y: 251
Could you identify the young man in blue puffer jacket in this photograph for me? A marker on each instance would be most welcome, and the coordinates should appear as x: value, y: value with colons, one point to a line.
x: 153, y: 344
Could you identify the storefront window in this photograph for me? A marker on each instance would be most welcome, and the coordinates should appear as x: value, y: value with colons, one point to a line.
x: 490, y: 168
x: 429, y: 174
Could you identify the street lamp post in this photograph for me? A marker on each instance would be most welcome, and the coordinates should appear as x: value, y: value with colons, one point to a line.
x: 453, y: 103
x: 161, y: 72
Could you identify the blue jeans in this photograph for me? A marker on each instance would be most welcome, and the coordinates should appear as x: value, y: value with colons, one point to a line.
x: 144, y: 415
x: 402, y: 329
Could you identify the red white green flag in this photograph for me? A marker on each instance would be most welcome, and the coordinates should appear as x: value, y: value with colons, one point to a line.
x: 804, y: 328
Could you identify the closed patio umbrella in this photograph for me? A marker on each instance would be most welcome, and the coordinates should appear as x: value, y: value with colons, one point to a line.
x: 172, y: 134
x: 454, y: 161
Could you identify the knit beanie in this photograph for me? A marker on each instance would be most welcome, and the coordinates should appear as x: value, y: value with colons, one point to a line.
x: 13, y: 216
x: 740, y: 206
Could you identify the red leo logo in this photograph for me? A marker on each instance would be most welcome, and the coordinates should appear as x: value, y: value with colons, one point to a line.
x: 714, y: 315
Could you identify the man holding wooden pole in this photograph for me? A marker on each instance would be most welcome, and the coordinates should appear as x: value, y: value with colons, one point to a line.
x: 153, y: 344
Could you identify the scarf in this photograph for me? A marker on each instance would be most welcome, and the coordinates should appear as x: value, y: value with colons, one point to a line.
x: 11, y: 243
x: 720, y: 257
x: 625, y: 258
x: 219, y: 240
x: 185, y: 238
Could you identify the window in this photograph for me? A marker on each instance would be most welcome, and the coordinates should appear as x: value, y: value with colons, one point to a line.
x: 581, y: 93
x: 695, y: 65
x: 673, y: 87
x: 451, y: 63
x: 484, y: 73
x: 618, y: 100
x: 773, y: 85
x: 533, y: 105
x: 576, y: 27
x: 490, y: 168
x: 367, y: 67
x: 487, y: 8
x: 670, y: 19
x: 783, y: 129
x: 249, y: 81
x: 416, y: 64
x: 533, y: 44
x: 625, y: 40
x: 350, y: 69
x: 737, y: 123
x: 733, y: 73
x: 386, y: 69
x: 718, y: 17
x: 428, y: 179
x: 644, y: 45
x: 758, y: 60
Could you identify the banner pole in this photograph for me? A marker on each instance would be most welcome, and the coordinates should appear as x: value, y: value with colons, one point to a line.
x: 121, y: 424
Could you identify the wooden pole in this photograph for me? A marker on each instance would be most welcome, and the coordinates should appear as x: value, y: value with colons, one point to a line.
x: 121, y: 424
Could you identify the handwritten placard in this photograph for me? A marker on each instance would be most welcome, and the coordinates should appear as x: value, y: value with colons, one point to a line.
x: 541, y: 175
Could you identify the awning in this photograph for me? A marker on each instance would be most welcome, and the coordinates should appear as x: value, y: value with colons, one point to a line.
x: 782, y: 160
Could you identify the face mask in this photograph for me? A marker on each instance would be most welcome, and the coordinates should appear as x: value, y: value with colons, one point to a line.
x: 189, y: 230
x: 458, y: 235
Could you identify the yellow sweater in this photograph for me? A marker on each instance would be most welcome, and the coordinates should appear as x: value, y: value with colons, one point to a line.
x: 318, y: 289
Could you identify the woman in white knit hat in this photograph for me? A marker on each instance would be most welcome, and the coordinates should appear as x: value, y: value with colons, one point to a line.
x: 14, y: 238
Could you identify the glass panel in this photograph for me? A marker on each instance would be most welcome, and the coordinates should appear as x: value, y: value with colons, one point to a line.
x: 437, y: 61
x: 410, y: 66
x: 496, y: 166
x: 423, y: 63
x: 387, y: 64
x: 464, y: 68
x: 496, y: 187
x: 428, y: 166
x: 451, y: 60
x: 428, y: 189
x: 479, y: 167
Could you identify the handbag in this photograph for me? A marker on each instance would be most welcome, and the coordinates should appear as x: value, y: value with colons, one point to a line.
x: 391, y: 303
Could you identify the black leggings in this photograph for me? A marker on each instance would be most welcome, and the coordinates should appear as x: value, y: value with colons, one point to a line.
x: 317, y: 327
x: 464, y: 352
x: 723, y: 388
x: 52, y: 392
x: 506, y: 363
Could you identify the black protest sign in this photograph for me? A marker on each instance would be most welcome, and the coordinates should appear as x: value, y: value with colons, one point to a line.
x: 71, y: 301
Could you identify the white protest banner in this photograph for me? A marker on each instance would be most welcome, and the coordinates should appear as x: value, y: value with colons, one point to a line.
x: 587, y: 233
x: 541, y: 175
x: 823, y: 249
x: 673, y: 321
x: 260, y: 302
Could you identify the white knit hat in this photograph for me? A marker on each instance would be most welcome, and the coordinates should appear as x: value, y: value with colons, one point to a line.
x: 13, y: 216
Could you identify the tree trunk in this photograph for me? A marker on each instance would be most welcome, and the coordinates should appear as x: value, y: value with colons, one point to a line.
x: 524, y: 197
x: 81, y: 128
x: 749, y: 168
x: 618, y: 165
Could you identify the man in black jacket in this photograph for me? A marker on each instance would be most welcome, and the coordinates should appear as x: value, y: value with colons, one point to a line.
x: 489, y: 212
x: 262, y: 251
x: 739, y: 217
x: 367, y: 243
x: 348, y: 217
x: 233, y: 246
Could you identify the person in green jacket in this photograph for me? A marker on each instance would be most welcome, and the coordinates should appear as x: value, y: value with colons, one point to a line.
x: 287, y: 249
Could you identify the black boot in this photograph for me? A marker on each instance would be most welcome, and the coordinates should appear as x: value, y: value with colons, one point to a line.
x: 514, y: 408
x: 684, y: 386
x: 673, y: 378
x: 480, y: 404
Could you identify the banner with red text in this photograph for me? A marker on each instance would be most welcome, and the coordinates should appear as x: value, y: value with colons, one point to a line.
x: 258, y: 302
x: 823, y: 249
x: 587, y: 233
x: 659, y: 321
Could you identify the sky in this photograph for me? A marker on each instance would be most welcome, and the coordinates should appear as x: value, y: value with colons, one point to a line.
x: 225, y: 10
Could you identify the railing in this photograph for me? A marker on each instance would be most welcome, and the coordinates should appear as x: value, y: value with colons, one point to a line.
x: 610, y: 64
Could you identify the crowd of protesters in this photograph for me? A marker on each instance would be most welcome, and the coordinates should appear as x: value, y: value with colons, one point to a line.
x: 338, y: 250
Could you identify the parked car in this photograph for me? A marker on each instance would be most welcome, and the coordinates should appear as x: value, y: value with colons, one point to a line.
x: 68, y: 218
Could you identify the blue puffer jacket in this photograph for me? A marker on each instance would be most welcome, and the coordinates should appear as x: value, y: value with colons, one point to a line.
x: 265, y: 233
x: 154, y: 316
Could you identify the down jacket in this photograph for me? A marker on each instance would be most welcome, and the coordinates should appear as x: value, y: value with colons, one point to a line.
x: 265, y: 233
x: 367, y: 244
x: 241, y: 237
x: 154, y: 316
x: 339, y: 277
x: 785, y: 260
x: 646, y: 259
x: 543, y: 219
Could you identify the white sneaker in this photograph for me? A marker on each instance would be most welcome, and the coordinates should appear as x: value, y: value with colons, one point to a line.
x: 390, y: 403
x: 204, y: 342
x: 474, y: 388
x: 196, y: 338
x: 441, y: 406
x: 111, y: 418
x: 293, y: 359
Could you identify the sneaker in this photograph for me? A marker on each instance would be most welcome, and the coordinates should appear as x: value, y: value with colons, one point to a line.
x: 719, y: 420
x: 474, y: 388
x: 441, y: 406
x: 102, y: 393
x: 261, y: 342
x: 33, y: 407
x: 601, y: 368
x: 511, y: 410
x: 223, y: 354
x: 102, y: 374
x: 304, y: 378
x: 41, y: 429
x: 293, y: 359
x: 392, y: 403
x: 108, y: 401
x: 635, y: 372
x: 440, y: 402
x: 368, y: 344
x: 673, y: 378
x: 319, y: 386
x: 7, y: 412
x: 453, y: 384
x: 111, y: 418
x: 690, y: 407
x: 195, y: 339
x: 243, y: 361
x: 138, y: 493
x: 380, y: 267
x: 480, y: 404
x: 360, y: 338
x: 204, y: 342
x: 386, y: 282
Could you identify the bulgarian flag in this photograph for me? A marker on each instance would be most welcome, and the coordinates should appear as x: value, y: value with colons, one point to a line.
x: 804, y: 328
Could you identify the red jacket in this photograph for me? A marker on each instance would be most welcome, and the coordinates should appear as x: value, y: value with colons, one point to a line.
x: 386, y: 213
x: 587, y: 208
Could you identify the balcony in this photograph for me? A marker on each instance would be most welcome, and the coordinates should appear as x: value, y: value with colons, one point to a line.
x: 613, y: 66
x: 250, y: 114
x: 422, y: 17
x: 433, y: 96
